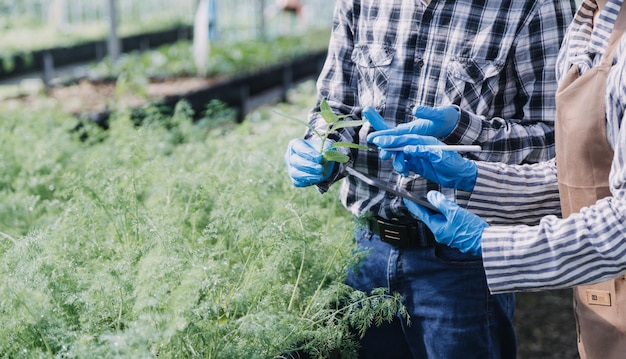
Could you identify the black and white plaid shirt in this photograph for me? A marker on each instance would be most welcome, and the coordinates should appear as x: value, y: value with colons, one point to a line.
x: 495, y: 59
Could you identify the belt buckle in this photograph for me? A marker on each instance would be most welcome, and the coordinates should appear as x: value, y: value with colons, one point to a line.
x: 402, y: 235
x: 392, y: 234
x: 388, y: 233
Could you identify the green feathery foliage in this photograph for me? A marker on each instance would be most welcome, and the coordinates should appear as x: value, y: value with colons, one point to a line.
x: 172, y: 239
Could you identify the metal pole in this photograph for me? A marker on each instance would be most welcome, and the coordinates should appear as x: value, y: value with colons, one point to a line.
x: 57, y: 17
x: 48, y: 69
x: 201, y: 46
x: 213, y: 19
x: 113, y: 44
x: 262, y: 29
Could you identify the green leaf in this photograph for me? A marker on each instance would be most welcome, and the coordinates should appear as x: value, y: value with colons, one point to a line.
x: 343, y: 124
x: 336, y: 156
x: 327, y: 112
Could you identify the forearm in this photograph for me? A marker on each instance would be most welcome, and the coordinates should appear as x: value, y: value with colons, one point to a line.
x: 335, y: 82
x: 515, y: 194
x: 511, y: 141
x: 334, y: 86
x: 524, y: 131
x: 587, y: 247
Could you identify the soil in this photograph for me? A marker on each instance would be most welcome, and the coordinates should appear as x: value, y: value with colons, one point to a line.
x: 545, y: 325
x: 88, y: 97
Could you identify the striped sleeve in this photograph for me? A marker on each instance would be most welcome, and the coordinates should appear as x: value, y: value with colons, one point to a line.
x: 520, y: 194
x: 586, y: 247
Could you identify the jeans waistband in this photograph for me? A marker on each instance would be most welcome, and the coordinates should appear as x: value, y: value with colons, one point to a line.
x: 416, y: 235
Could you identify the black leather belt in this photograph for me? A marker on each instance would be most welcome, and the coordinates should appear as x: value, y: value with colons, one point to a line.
x: 416, y: 235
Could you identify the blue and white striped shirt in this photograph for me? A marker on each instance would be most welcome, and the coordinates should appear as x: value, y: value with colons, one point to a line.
x: 551, y: 252
x: 494, y: 59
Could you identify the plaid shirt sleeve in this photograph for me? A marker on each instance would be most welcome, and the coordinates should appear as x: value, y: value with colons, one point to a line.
x: 528, y: 135
x: 337, y: 79
x: 337, y: 83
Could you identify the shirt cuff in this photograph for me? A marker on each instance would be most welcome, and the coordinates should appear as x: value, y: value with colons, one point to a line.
x: 467, y: 129
x: 482, y: 190
x: 495, y: 243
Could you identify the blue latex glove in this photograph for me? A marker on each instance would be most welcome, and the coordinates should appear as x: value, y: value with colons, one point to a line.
x: 447, y: 168
x: 454, y: 226
x: 431, y: 121
x: 305, y: 163
x: 375, y: 119
x: 434, y: 121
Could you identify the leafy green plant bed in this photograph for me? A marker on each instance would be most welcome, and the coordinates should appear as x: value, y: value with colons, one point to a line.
x: 25, y: 60
x: 170, y: 238
x: 167, y: 75
x: 225, y: 58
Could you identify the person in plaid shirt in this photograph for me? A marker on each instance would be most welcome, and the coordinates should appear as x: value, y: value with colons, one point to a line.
x: 468, y: 73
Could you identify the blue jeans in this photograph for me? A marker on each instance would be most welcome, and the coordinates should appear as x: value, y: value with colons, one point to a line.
x: 452, y: 314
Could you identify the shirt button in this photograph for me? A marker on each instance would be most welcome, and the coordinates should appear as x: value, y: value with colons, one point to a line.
x: 420, y: 63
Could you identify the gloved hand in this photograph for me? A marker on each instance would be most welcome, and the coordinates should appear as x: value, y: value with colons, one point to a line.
x: 305, y: 164
x: 434, y: 121
x: 431, y: 121
x: 447, y: 168
x: 375, y: 119
x: 454, y: 226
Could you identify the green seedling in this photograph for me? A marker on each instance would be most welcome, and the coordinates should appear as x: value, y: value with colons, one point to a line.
x: 335, y: 122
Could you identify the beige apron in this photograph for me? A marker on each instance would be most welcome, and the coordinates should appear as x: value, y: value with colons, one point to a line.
x: 584, y: 157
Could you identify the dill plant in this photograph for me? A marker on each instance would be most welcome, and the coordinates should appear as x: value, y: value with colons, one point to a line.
x: 30, y: 169
x: 174, y: 240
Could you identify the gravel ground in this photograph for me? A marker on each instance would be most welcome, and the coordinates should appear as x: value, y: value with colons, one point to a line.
x: 545, y: 325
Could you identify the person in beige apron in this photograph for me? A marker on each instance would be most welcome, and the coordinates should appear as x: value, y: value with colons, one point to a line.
x: 587, y: 179
x: 584, y: 158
